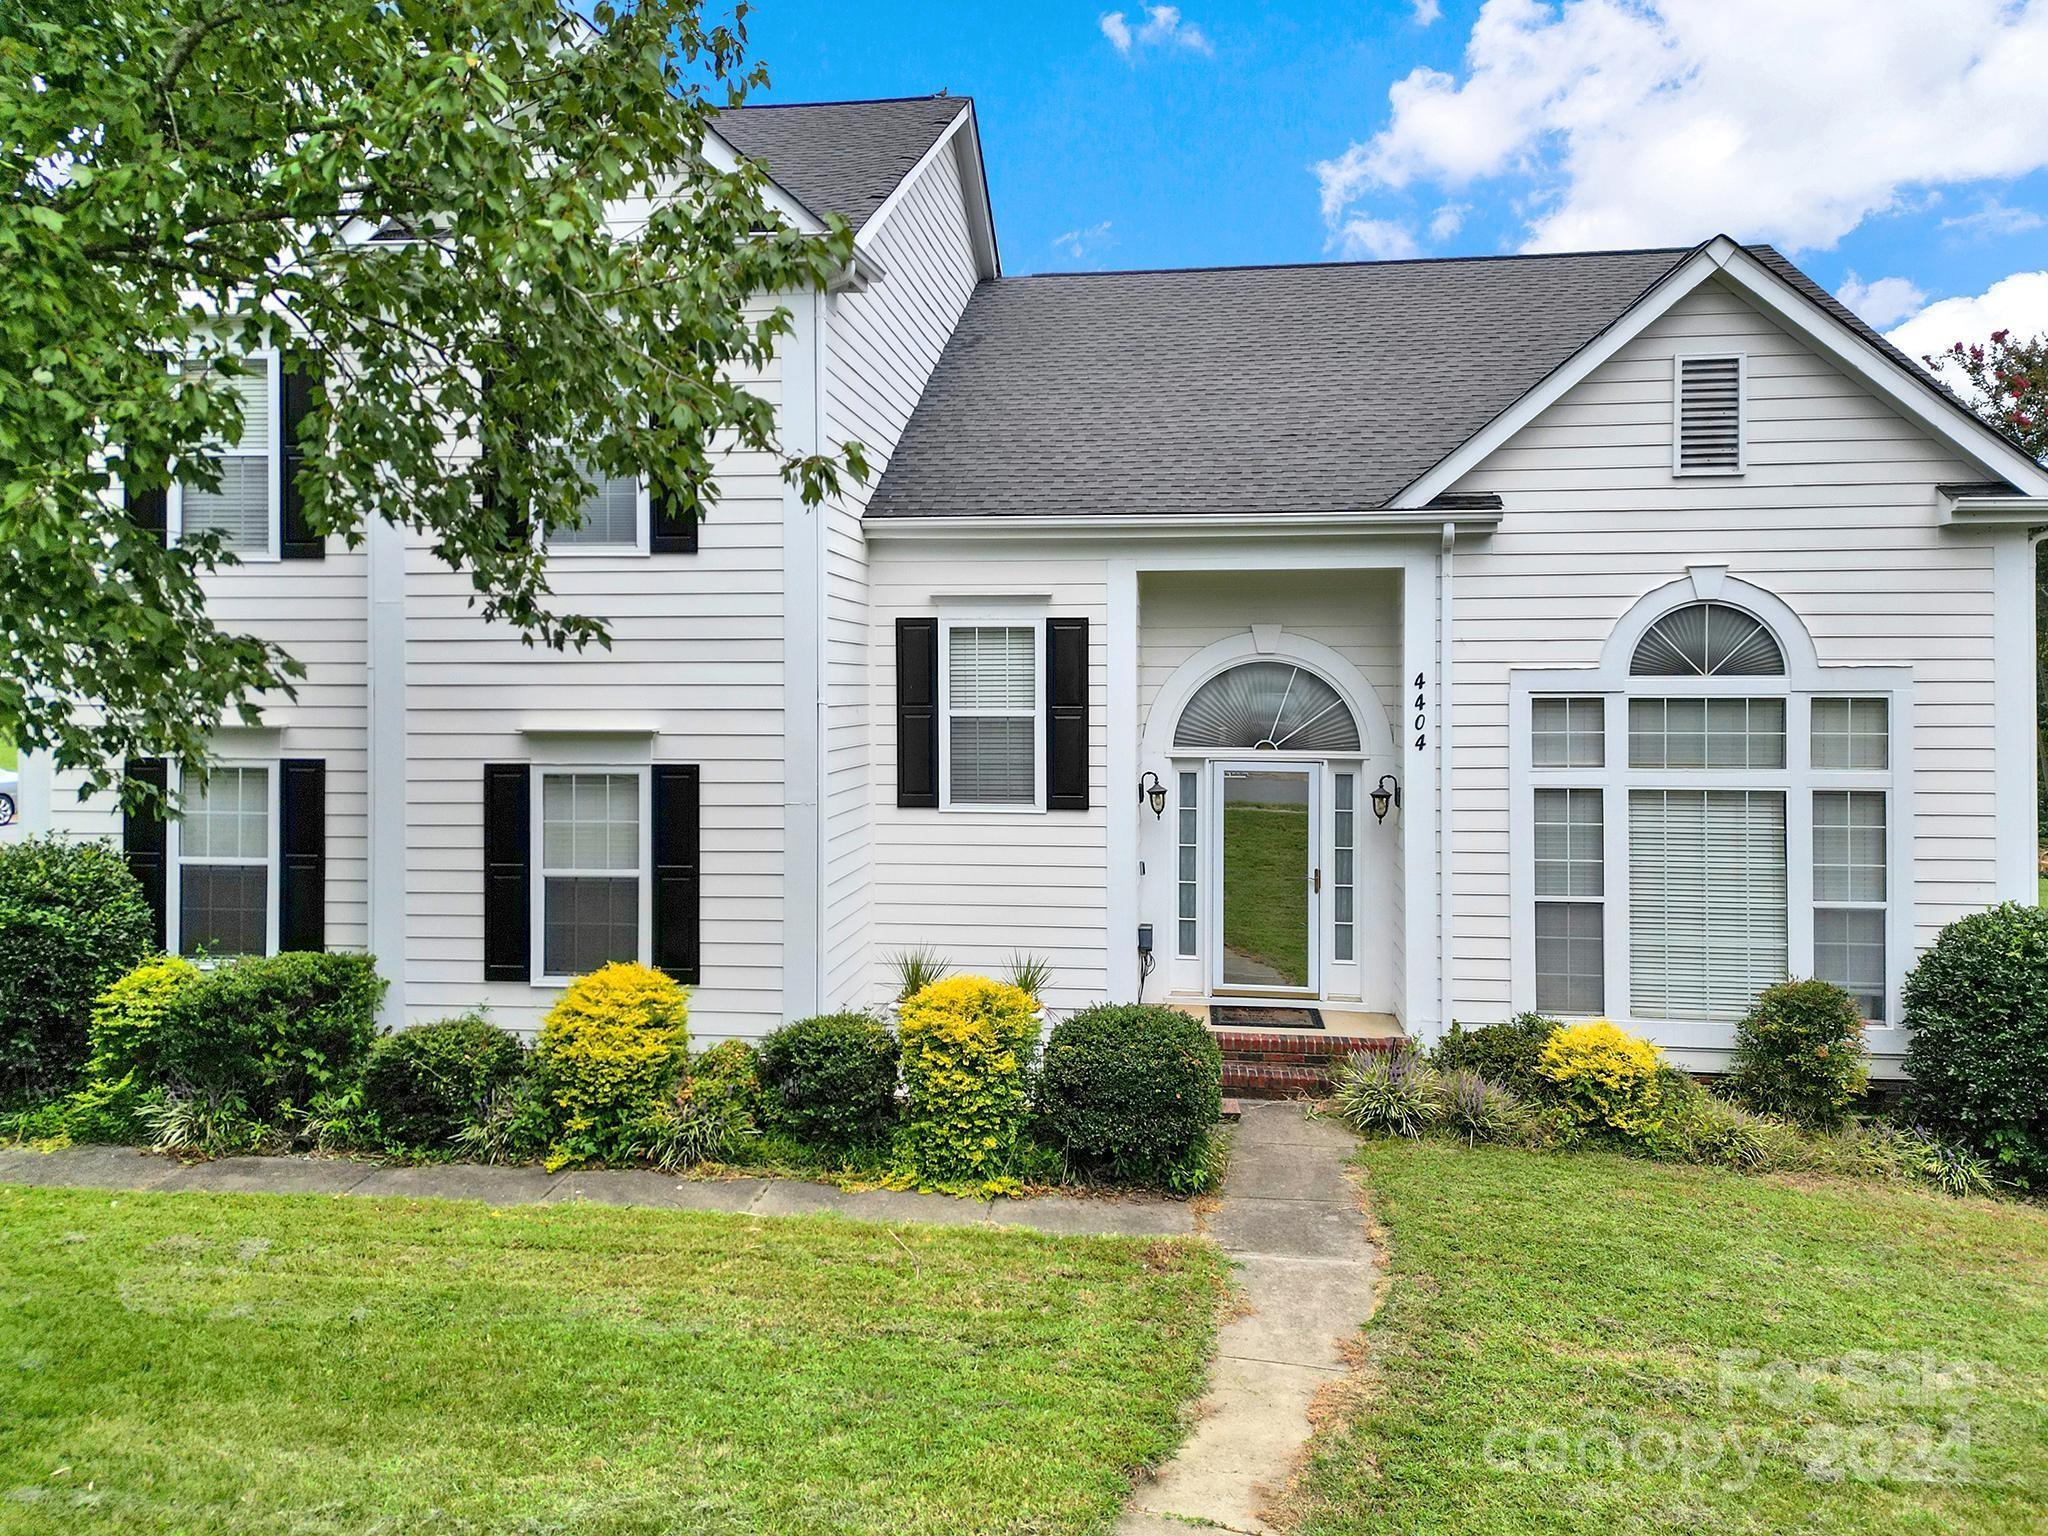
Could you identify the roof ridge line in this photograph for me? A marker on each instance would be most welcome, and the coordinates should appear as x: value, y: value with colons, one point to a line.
x: 1345, y: 266
x: 850, y: 101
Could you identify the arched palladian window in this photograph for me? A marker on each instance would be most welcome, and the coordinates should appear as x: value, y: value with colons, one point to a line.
x: 1708, y: 640
x: 1267, y: 706
x: 1739, y: 795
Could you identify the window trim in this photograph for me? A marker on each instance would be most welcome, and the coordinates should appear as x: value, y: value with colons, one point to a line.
x: 1804, y: 681
x: 643, y: 533
x: 273, y: 456
x: 174, y: 858
x: 1034, y: 621
x: 538, y: 870
x: 1711, y: 472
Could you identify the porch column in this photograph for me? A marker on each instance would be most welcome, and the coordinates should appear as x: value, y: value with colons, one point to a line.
x: 1120, y: 722
x: 1415, y: 725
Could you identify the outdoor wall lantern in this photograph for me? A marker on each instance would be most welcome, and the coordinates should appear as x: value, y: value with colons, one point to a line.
x: 1149, y: 788
x: 1387, y: 794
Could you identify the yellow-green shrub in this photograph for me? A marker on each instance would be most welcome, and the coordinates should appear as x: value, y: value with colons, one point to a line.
x: 610, y: 1050
x: 968, y: 1044
x: 122, y: 1045
x: 1604, y: 1076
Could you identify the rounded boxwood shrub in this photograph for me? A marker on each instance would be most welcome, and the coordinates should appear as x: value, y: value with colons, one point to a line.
x: 830, y: 1081
x: 426, y: 1083
x: 1604, y: 1077
x: 1977, y: 1013
x: 269, y: 1032
x: 968, y: 1044
x: 1505, y: 1054
x: 610, y: 1050
x: 1799, y: 1054
x: 1132, y: 1091
x: 72, y: 921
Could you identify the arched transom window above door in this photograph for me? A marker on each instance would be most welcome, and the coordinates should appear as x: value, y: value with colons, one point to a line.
x: 1266, y: 706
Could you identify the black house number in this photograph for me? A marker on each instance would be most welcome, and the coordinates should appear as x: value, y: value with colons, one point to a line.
x: 1421, y: 711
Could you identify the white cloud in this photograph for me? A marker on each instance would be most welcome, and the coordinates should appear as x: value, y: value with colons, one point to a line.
x: 2018, y: 303
x: 1883, y: 301
x: 1995, y: 218
x: 1632, y: 122
x: 1081, y: 243
x: 1447, y: 221
x: 1426, y: 11
x: 1375, y: 239
x: 1161, y: 28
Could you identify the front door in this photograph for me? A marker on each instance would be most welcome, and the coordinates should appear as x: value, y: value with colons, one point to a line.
x: 1266, y: 880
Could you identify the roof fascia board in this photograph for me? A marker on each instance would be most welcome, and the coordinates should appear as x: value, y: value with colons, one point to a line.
x: 1997, y: 511
x: 1624, y: 328
x: 1172, y: 525
x: 1943, y: 420
x: 981, y: 211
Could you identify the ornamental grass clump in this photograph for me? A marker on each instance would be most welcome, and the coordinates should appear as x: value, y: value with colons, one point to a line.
x: 968, y: 1044
x: 1475, y: 1107
x: 1604, y: 1078
x: 610, y: 1050
x: 1389, y: 1093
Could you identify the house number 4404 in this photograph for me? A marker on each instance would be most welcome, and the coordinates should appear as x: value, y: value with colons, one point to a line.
x: 1421, y: 711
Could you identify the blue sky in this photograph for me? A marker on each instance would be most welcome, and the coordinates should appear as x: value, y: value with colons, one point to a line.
x: 1895, y: 147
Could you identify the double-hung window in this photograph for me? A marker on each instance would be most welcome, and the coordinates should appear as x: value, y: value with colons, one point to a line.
x: 1568, y: 737
x: 244, y: 510
x: 1850, y: 848
x: 224, y: 853
x: 590, y: 877
x: 612, y: 518
x: 991, y: 744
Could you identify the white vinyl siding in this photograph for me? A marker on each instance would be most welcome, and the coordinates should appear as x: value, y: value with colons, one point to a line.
x: 990, y: 698
x: 1707, y: 901
x: 244, y: 510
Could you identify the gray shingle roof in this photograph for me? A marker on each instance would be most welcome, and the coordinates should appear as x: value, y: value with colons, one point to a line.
x: 1265, y: 389
x: 842, y: 157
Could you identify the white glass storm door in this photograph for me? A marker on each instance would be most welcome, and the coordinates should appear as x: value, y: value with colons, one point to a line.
x: 1266, y: 833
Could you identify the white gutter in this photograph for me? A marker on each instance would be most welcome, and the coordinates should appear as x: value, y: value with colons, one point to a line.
x: 1446, y: 917
x: 1222, y: 525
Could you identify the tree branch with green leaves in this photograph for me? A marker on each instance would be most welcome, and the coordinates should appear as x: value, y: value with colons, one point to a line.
x: 189, y: 180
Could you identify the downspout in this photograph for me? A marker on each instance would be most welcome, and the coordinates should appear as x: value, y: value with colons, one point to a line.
x: 1445, y: 915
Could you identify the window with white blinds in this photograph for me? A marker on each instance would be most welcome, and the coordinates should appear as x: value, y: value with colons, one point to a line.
x: 243, y: 510
x: 610, y: 515
x: 590, y: 870
x: 992, y: 707
x: 1707, y: 901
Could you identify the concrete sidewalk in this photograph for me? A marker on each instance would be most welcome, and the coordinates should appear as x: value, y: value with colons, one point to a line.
x: 128, y: 1168
x: 1290, y: 1218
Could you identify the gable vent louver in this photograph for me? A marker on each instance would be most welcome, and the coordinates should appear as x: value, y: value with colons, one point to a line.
x: 1709, y: 437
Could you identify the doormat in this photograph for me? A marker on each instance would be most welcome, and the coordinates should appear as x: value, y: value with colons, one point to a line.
x: 1265, y: 1018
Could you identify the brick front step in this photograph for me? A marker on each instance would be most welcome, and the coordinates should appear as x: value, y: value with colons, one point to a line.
x: 1286, y: 1064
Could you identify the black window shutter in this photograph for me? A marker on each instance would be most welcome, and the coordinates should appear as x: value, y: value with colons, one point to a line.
x: 677, y: 874
x: 508, y: 903
x: 142, y: 837
x: 672, y: 522
x: 302, y: 851
x: 917, y: 713
x: 1066, y: 714
x: 299, y: 541
x: 149, y: 511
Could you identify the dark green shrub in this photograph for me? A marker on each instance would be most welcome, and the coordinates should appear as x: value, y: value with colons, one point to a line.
x: 1132, y: 1091
x: 830, y: 1081
x: 1800, y: 1054
x: 1977, y: 1010
x: 269, y: 1032
x: 72, y: 921
x: 1505, y: 1054
x: 424, y: 1084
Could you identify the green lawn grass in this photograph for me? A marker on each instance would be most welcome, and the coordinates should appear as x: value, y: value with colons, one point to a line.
x: 9, y: 758
x: 1547, y: 1312
x: 1265, y: 897
x: 175, y: 1363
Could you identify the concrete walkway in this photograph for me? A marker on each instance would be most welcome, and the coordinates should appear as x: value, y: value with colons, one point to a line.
x: 1290, y: 1218
x: 127, y: 1168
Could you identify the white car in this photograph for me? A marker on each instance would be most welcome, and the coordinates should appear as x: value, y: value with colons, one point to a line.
x: 9, y: 788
